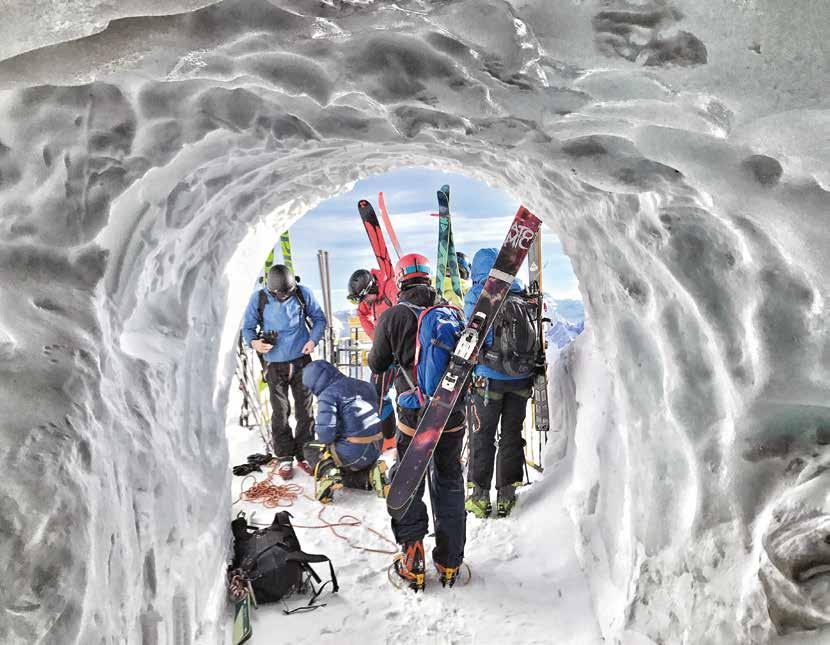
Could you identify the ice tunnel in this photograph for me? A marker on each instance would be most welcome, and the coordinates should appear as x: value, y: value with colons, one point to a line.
x: 679, y: 148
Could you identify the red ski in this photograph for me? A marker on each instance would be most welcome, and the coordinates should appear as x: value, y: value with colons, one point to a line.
x: 387, y: 222
x: 373, y: 230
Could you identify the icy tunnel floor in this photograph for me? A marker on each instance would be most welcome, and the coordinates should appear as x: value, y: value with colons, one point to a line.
x: 527, y: 586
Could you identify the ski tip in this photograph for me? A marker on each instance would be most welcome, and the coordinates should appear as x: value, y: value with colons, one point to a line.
x: 525, y: 212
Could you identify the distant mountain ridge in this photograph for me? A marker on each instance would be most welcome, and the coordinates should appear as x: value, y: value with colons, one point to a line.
x: 567, y: 321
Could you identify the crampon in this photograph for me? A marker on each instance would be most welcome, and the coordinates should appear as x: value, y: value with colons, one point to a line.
x: 408, y: 567
x: 448, y: 576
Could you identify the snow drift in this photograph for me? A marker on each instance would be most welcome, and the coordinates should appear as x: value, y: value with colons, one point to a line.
x: 679, y: 148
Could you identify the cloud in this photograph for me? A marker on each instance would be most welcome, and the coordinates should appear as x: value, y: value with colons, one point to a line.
x: 481, y: 217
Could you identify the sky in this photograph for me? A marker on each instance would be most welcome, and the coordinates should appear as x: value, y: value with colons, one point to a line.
x: 481, y: 216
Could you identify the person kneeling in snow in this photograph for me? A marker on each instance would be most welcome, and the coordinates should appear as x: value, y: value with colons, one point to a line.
x: 348, y: 433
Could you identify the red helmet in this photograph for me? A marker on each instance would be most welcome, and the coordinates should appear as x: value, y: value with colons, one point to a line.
x: 412, y: 265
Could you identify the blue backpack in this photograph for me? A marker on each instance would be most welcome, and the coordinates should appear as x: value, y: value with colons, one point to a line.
x: 439, y: 328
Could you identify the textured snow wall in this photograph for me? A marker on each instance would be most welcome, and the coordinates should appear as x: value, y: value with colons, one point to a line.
x: 678, y: 147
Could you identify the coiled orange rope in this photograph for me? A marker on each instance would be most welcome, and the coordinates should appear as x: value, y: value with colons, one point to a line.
x: 272, y: 495
x: 269, y: 494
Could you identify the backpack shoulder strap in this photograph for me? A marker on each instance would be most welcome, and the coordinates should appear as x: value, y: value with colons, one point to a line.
x: 303, y: 307
x: 305, y: 558
x: 263, y: 300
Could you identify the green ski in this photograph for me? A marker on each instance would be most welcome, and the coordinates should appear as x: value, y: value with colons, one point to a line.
x: 285, y: 243
x: 242, y: 629
x: 446, y: 247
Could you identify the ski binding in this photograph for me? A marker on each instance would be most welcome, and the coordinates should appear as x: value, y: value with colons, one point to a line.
x: 464, y: 349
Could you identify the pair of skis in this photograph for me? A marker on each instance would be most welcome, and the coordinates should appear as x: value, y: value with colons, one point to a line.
x: 541, y: 412
x: 375, y: 233
x: 329, y: 348
x: 413, y: 467
x: 446, y: 257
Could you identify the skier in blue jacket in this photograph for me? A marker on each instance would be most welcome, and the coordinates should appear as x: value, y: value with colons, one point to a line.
x: 348, y: 430
x: 502, y: 385
x: 284, y: 323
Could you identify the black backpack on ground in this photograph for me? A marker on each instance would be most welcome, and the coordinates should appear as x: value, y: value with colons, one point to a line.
x: 271, y: 560
x: 516, y: 343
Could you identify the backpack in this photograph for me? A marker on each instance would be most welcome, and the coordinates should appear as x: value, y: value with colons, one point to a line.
x: 271, y: 560
x: 516, y: 343
x: 439, y: 328
x: 263, y: 300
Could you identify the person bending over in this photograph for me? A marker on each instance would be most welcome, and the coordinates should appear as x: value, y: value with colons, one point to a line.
x: 347, y: 448
x: 502, y: 385
x: 395, y: 342
x: 284, y: 323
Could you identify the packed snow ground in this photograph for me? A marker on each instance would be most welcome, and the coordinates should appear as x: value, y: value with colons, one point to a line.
x: 526, y: 585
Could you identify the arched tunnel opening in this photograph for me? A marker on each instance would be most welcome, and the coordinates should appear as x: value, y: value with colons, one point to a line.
x: 362, y: 552
x: 683, y: 165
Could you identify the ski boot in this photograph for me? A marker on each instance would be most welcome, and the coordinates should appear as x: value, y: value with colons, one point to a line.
x: 305, y: 467
x: 506, y: 500
x: 447, y: 575
x: 327, y: 479
x: 377, y: 479
x: 286, y: 469
x: 326, y: 484
x: 409, y: 565
x: 478, y: 502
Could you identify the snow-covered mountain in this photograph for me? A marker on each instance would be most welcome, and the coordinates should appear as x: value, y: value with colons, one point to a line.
x: 567, y: 309
x: 567, y: 321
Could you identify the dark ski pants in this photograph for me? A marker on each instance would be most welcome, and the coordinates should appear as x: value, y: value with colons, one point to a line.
x: 446, y: 490
x: 510, y: 408
x: 357, y: 479
x: 281, y: 377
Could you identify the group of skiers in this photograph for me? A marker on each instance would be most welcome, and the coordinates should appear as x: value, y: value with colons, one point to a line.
x: 284, y: 323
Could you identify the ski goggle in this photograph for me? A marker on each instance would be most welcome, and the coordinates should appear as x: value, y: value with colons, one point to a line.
x: 415, y: 268
x: 357, y: 298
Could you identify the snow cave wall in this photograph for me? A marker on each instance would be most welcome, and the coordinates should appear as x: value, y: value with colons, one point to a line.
x: 679, y: 149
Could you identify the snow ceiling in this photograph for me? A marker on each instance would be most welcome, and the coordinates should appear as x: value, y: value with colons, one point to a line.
x: 678, y: 147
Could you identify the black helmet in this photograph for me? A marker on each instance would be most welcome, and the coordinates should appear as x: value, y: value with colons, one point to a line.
x: 361, y: 284
x: 281, y: 281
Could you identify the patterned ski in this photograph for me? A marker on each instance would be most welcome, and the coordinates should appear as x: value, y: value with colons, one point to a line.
x: 412, y: 468
x: 373, y: 230
x: 541, y: 413
x: 446, y: 246
x: 285, y: 243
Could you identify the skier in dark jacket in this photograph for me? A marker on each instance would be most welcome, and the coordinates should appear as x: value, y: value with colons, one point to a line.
x: 348, y: 432
x: 395, y: 342
x: 281, y: 310
x: 498, y: 397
